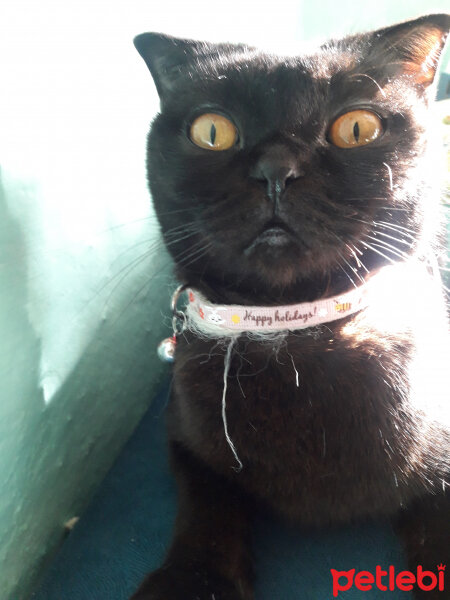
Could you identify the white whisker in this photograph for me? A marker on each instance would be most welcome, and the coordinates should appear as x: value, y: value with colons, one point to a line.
x: 387, y: 247
x: 372, y: 79
x: 394, y: 226
x: 347, y: 275
x: 350, y: 266
x: 370, y: 247
x: 391, y: 237
x: 353, y: 250
x: 390, y: 175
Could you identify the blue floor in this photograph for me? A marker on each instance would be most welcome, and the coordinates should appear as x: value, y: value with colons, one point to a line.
x: 127, y: 528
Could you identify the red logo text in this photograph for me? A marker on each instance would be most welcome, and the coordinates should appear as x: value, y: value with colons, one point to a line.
x: 388, y: 580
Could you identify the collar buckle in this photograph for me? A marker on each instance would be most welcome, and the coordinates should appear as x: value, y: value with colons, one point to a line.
x: 178, y: 316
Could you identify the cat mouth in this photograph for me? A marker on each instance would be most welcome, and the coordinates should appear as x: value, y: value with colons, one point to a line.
x: 275, y: 234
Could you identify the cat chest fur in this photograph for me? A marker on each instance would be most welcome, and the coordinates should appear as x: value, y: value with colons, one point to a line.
x: 339, y: 445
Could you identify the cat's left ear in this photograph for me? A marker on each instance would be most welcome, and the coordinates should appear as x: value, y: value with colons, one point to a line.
x: 413, y: 48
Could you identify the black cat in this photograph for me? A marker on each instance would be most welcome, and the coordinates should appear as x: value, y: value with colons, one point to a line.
x: 281, y: 180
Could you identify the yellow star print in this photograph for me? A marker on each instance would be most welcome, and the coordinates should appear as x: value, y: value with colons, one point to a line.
x: 235, y: 318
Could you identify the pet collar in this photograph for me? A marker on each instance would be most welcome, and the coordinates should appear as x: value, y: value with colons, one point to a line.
x: 229, y: 320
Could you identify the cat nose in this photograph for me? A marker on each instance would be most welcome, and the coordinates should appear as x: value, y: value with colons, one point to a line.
x: 277, y: 172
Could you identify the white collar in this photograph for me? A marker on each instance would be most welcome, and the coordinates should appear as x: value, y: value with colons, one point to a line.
x: 228, y: 320
x: 382, y: 290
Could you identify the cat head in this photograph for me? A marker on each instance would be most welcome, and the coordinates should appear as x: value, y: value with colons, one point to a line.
x: 269, y: 173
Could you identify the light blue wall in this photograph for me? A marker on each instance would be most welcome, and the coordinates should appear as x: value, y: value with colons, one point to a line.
x: 83, y: 282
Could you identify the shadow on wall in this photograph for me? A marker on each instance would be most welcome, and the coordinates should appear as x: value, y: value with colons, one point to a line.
x: 443, y: 90
x: 53, y: 455
x: 19, y: 360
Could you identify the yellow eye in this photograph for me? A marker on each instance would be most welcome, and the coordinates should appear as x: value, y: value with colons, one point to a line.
x: 213, y: 132
x: 355, y: 128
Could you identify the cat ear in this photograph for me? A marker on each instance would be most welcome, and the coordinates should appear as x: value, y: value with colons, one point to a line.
x: 413, y: 48
x: 165, y: 56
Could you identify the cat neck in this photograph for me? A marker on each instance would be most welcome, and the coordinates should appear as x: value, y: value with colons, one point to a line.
x: 254, y: 292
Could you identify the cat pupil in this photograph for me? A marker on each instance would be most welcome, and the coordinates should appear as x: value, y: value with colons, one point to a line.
x: 356, y: 131
x: 213, y: 134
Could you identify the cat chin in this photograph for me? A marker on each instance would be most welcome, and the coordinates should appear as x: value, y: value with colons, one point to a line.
x: 284, y: 276
x: 278, y: 265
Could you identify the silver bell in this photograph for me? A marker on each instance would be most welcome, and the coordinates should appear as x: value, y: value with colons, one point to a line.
x: 166, y: 349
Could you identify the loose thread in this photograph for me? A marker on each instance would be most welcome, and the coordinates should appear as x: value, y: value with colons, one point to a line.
x: 295, y: 368
x: 226, y: 370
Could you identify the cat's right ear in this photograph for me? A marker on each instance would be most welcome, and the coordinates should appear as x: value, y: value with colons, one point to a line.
x: 166, y: 57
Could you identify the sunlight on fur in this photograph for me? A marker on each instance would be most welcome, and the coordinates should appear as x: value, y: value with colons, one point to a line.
x: 390, y: 311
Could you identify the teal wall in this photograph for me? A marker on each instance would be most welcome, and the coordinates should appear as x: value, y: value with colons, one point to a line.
x: 84, y: 283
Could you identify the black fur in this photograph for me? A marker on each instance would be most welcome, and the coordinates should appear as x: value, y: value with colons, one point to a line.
x: 355, y: 438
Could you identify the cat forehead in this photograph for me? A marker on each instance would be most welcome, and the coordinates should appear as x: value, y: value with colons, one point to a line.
x: 317, y: 63
x: 272, y: 84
